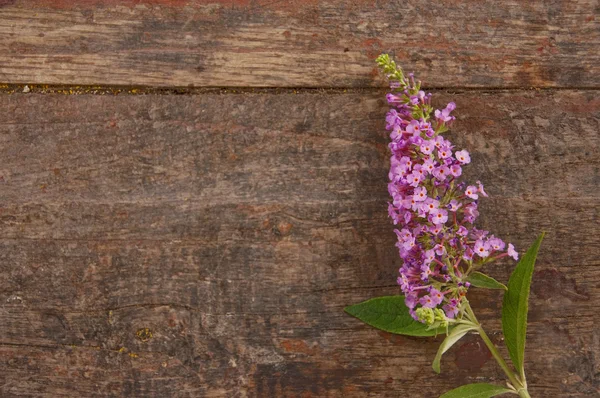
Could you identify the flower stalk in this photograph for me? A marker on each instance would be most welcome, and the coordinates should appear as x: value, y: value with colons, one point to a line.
x: 519, y: 386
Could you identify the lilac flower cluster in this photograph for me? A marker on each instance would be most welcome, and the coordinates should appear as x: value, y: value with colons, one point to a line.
x: 435, y: 212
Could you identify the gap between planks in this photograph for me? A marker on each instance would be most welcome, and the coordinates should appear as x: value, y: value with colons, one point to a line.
x: 8, y: 89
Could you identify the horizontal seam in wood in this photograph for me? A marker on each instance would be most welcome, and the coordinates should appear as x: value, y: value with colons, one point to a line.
x: 7, y: 89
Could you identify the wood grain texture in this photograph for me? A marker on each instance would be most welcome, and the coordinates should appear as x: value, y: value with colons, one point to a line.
x: 307, y: 43
x: 205, y: 245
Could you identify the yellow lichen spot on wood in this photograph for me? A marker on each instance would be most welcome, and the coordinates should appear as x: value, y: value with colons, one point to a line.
x: 122, y: 350
x: 144, y: 334
x: 133, y: 355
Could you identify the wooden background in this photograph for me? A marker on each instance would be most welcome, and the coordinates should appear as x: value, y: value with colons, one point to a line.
x: 191, y: 192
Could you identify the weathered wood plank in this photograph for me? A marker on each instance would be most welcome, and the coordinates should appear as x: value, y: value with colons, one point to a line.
x: 306, y: 43
x: 235, y: 228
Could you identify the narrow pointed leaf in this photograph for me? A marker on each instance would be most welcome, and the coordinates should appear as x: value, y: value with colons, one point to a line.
x: 515, y: 306
x: 389, y: 313
x: 456, y: 334
x: 478, y: 279
x: 477, y: 390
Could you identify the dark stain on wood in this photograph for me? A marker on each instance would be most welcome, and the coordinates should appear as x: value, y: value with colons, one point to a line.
x: 471, y: 355
x: 548, y: 282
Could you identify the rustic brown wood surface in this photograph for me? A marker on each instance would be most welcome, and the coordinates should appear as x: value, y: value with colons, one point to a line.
x: 299, y: 43
x: 205, y: 245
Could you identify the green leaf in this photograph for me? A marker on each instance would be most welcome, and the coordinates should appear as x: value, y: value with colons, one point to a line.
x: 478, y: 279
x: 515, y: 306
x: 477, y: 390
x: 456, y: 334
x: 389, y: 313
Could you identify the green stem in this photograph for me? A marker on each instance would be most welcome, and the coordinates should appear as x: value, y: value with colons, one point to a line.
x: 523, y: 393
x: 514, y: 380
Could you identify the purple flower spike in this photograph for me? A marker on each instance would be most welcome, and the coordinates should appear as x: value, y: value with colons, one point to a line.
x: 435, y: 212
